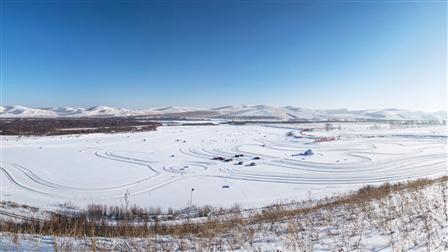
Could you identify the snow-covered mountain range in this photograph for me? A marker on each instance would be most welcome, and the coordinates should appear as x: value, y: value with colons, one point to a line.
x: 262, y: 112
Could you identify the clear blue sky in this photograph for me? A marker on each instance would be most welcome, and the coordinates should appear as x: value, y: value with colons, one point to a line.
x: 142, y: 54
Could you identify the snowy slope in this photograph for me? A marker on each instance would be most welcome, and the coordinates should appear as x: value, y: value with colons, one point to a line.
x: 107, y: 111
x: 169, y: 110
x: 388, y: 114
x: 263, y: 112
x: 22, y: 111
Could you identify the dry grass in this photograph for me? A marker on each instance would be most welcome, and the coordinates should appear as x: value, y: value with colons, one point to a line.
x: 137, y: 222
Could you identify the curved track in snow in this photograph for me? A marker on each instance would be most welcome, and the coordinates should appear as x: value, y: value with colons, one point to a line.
x: 157, y: 165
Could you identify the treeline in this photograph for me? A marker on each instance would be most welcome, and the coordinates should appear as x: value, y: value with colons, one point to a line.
x: 63, y: 126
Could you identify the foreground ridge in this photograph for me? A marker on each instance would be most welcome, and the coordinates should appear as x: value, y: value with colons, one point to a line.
x: 400, y: 216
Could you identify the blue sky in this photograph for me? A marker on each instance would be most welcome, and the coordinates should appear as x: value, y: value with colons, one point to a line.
x: 316, y: 55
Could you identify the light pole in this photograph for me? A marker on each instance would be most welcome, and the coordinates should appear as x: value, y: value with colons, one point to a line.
x: 191, y: 202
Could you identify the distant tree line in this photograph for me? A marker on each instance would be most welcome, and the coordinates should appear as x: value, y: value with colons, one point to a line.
x: 63, y: 126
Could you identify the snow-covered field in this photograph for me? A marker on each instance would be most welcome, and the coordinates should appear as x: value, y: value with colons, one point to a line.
x: 158, y: 169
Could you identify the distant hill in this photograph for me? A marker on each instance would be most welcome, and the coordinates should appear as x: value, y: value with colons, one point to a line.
x: 241, y: 112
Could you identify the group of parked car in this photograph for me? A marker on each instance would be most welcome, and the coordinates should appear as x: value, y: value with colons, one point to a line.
x: 223, y: 159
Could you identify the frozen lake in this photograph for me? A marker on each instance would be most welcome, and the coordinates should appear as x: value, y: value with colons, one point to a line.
x: 159, y: 168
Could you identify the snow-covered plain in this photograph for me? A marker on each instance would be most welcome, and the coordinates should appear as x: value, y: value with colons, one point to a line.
x: 158, y: 169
